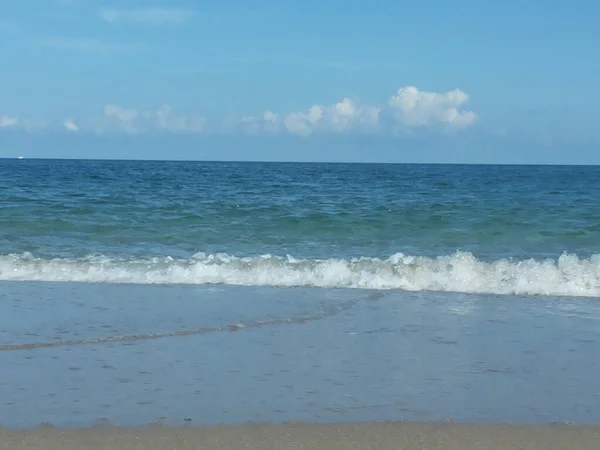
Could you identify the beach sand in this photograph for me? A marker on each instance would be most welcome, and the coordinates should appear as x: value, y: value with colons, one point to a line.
x: 381, y: 435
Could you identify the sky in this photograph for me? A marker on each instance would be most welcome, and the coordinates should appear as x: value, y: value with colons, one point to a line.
x: 471, y: 81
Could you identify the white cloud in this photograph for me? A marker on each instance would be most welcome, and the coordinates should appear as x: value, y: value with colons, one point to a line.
x: 414, y: 108
x: 8, y: 121
x: 134, y: 121
x: 70, y: 125
x: 148, y: 16
x: 345, y: 116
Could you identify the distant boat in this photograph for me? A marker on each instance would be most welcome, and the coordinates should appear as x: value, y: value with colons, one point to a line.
x: 19, y: 157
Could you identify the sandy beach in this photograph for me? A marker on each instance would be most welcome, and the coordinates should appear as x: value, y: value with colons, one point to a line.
x: 383, y: 435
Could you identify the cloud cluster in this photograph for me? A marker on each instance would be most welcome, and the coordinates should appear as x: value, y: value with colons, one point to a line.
x: 147, y: 16
x: 408, y: 109
x: 414, y: 108
x: 346, y: 115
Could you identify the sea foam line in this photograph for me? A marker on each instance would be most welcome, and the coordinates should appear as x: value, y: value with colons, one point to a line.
x: 567, y: 275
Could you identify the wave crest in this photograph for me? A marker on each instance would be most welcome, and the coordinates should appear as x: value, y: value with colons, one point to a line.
x: 568, y: 275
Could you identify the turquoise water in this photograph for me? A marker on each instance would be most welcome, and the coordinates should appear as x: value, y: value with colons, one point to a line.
x: 488, y: 229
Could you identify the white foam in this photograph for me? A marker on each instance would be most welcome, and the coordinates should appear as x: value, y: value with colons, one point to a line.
x: 568, y: 275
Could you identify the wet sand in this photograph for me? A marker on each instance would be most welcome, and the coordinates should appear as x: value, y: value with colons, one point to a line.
x: 381, y: 435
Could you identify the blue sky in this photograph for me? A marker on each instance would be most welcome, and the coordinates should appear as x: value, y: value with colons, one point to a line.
x: 434, y: 81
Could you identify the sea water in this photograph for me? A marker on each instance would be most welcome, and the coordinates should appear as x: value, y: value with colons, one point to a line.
x: 229, y: 292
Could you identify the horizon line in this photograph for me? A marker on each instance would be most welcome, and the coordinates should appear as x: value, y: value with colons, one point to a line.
x: 533, y: 164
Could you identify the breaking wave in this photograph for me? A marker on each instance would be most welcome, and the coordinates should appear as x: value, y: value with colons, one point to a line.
x: 568, y: 275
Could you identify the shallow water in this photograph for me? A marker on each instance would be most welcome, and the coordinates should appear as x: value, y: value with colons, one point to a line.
x: 274, y: 354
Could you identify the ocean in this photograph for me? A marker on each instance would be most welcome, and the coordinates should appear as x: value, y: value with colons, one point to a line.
x: 141, y: 291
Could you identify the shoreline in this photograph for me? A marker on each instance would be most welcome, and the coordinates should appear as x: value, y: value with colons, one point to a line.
x: 304, y: 435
